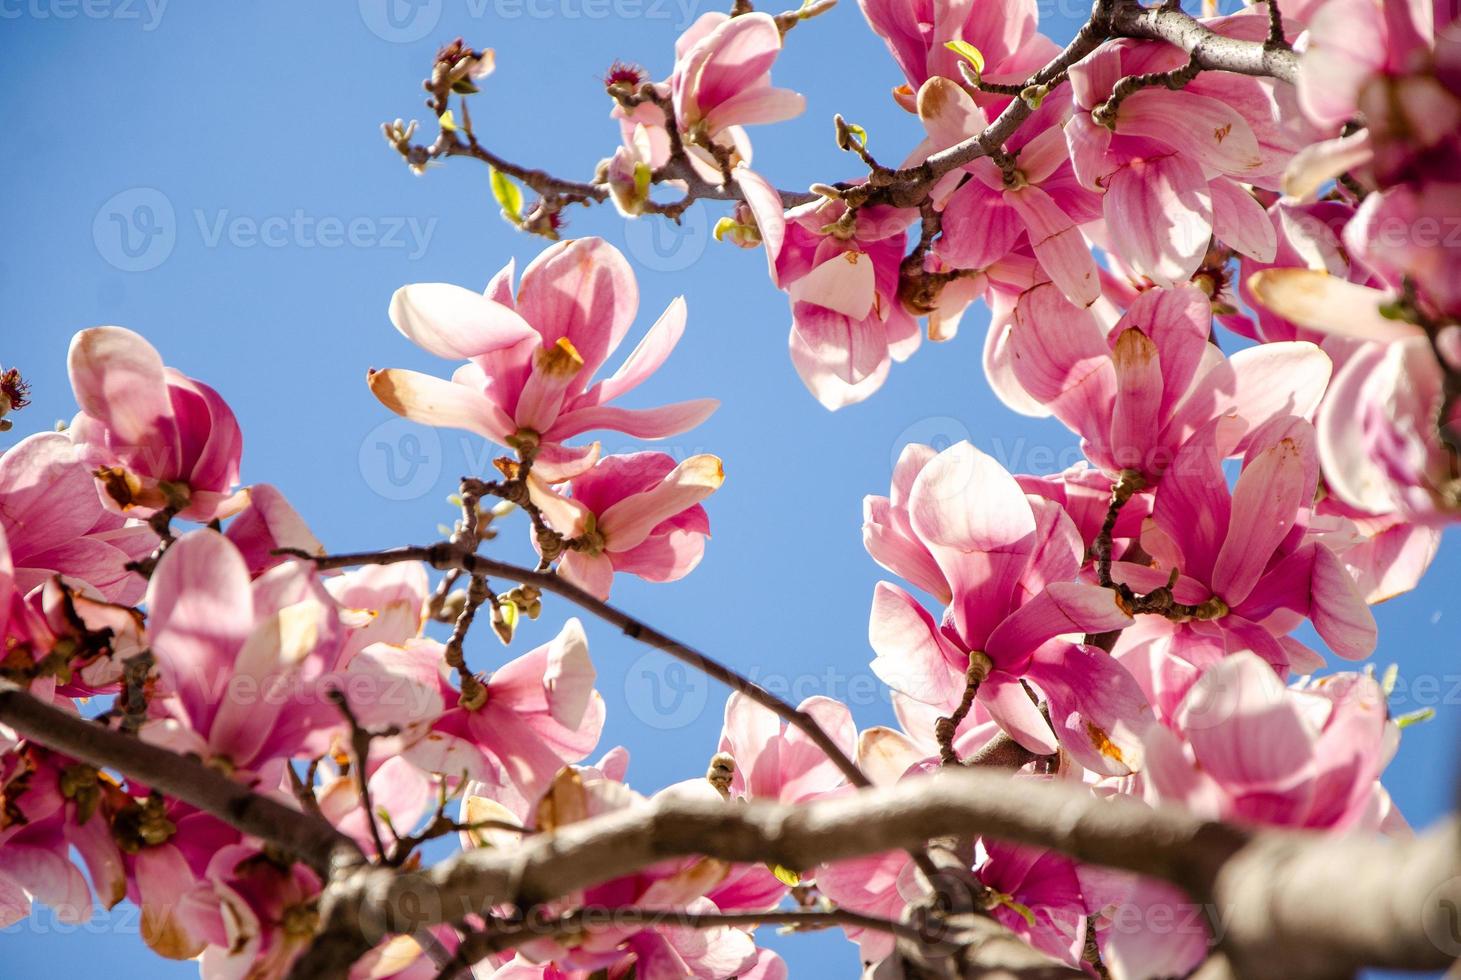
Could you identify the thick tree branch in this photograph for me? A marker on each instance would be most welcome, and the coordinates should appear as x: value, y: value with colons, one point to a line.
x: 1211, y: 51
x: 1290, y: 904
x: 302, y: 835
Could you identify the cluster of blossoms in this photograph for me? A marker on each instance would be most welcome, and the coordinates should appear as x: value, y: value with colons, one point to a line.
x: 1128, y: 624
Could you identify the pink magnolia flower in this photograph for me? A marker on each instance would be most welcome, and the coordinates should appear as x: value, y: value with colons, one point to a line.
x: 1010, y: 562
x: 1169, y: 161
x: 1385, y: 553
x: 530, y: 358
x: 1244, y: 557
x: 1039, y: 897
x: 43, y: 819
x: 1244, y: 747
x: 1379, y: 426
x: 1137, y: 394
x: 776, y: 762
x: 267, y: 524
x: 167, y: 850
x: 722, y: 75
x: 721, y: 82
x: 539, y: 712
x: 1084, y: 493
x: 638, y: 513
x: 55, y: 523
x: 917, y: 33
x: 847, y: 322
x: 241, y: 663
x: 887, y: 528
x: 252, y: 915
x: 1039, y: 198
x: 155, y: 437
x: 1336, y: 68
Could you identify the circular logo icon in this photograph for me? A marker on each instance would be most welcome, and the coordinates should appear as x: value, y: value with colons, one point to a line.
x: 1442, y: 917
x: 135, y: 230
x: 665, y: 246
x: 400, y: 21
x: 664, y: 693
x: 400, y: 459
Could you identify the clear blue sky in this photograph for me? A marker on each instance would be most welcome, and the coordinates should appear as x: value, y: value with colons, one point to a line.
x: 267, y: 225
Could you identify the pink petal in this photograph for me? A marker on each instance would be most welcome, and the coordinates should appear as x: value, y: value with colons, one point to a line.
x: 1265, y: 502
x: 913, y: 656
x: 453, y: 322
x: 119, y: 379
x: 647, y: 358
x: 434, y: 401
x: 1063, y: 607
x: 1159, y: 217
x: 583, y: 290
x: 1009, y: 704
x: 628, y: 522
x: 646, y: 423
x: 1203, y: 129
x: 1058, y: 244
x: 1241, y: 222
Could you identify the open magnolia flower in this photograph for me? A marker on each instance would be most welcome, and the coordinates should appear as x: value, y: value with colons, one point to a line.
x: 531, y: 357
x: 154, y: 437
x: 638, y: 513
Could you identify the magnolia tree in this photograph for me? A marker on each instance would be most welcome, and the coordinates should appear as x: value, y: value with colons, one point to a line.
x: 1113, y: 757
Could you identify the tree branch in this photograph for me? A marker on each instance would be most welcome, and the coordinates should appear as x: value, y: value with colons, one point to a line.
x: 1291, y: 904
x: 1210, y: 50
x: 302, y: 835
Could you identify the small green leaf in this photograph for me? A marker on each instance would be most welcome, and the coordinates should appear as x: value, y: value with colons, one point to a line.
x: 448, y: 121
x: 785, y: 875
x: 859, y: 132
x: 968, y: 52
x: 507, y: 195
x: 1414, y: 718
x: 724, y: 227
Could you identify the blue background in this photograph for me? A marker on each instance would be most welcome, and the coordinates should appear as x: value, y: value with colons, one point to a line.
x: 176, y: 123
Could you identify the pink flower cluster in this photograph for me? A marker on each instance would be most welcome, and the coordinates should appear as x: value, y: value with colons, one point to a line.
x: 1130, y: 625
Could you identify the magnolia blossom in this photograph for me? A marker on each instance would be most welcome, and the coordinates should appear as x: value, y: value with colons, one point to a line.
x: 536, y: 713
x: 1010, y: 562
x: 1169, y: 162
x: 918, y: 32
x: 1380, y: 435
x: 242, y: 663
x: 530, y: 358
x: 1241, y: 746
x: 842, y: 278
x: 1242, y: 558
x: 639, y: 513
x: 55, y: 523
x: 1036, y: 196
x: 154, y: 437
x: 1137, y: 394
x: 721, y: 82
